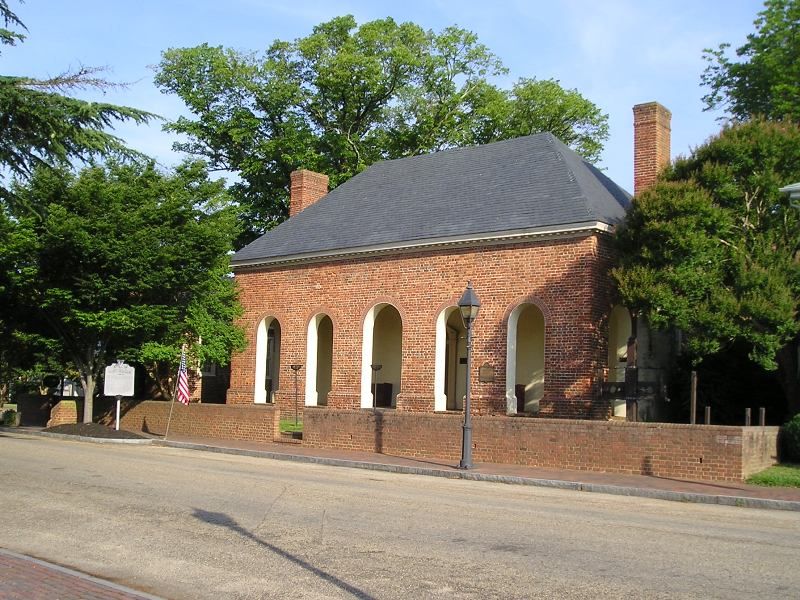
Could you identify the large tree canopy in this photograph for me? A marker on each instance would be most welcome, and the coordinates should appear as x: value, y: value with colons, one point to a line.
x: 765, y: 80
x: 713, y: 248
x: 42, y: 124
x: 346, y: 96
x: 124, y: 261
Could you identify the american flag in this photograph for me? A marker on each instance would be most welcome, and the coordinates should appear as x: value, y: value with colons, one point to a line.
x: 182, y: 391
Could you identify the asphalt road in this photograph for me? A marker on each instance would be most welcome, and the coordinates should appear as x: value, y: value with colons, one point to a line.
x: 187, y: 524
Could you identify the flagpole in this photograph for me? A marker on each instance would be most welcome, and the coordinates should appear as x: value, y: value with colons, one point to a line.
x: 169, y: 419
x: 172, y: 403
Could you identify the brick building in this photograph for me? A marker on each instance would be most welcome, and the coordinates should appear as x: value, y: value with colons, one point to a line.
x: 358, y: 288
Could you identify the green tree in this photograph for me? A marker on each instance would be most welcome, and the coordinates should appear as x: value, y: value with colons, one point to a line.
x: 16, y: 245
x: 347, y: 96
x: 43, y: 125
x: 765, y: 80
x: 129, y: 262
x: 713, y: 248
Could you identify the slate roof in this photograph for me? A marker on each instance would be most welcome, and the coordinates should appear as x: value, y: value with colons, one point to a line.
x: 524, y: 184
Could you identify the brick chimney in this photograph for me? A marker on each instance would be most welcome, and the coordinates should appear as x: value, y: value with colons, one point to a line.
x: 307, y: 187
x: 651, y: 148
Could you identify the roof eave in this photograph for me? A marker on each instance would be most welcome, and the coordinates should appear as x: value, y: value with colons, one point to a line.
x: 494, y: 238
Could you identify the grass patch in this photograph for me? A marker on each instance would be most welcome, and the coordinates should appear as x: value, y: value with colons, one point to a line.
x: 287, y: 426
x: 785, y: 475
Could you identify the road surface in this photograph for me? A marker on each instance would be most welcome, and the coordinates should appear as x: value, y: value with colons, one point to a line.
x: 186, y: 524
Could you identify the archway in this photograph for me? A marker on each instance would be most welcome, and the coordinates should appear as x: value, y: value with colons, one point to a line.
x: 268, y: 358
x: 382, y: 345
x: 525, y: 359
x: 619, y: 331
x: 450, y: 361
x: 319, y: 360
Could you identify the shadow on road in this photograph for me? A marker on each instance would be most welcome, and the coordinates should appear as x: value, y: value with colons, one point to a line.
x: 223, y: 520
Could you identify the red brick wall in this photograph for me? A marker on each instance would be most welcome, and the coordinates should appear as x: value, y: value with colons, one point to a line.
x: 566, y: 278
x: 217, y: 421
x: 707, y: 452
x: 759, y: 449
x: 63, y: 413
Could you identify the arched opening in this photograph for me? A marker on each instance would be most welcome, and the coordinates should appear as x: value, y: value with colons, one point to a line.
x: 525, y: 359
x: 319, y: 360
x: 450, y: 360
x: 268, y: 359
x: 382, y: 345
x: 619, y: 331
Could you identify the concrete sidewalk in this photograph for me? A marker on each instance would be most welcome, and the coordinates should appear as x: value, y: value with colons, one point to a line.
x: 646, y: 486
x: 23, y: 578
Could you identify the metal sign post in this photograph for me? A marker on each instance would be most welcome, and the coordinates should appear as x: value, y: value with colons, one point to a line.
x: 116, y: 421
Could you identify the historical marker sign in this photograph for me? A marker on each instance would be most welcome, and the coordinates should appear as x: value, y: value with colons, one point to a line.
x: 119, y: 379
x: 486, y: 373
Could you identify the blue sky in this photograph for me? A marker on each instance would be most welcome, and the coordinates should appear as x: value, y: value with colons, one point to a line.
x: 617, y: 53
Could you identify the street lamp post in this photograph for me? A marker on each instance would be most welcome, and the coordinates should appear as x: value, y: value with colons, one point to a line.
x: 468, y: 305
x: 295, y: 368
x: 375, y: 368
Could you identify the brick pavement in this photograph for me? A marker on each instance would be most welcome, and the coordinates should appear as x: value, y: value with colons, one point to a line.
x: 25, y: 578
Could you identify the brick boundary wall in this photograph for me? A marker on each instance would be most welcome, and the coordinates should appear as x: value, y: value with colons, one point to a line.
x: 63, y: 413
x: 760, y: 448
x: 35, y: 410
x: 255, y: 423
x: 708, y: 452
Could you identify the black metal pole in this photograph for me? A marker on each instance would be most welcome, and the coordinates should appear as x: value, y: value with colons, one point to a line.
x: 295, y: 368
x: 466, y: 438
x: 375, y: 368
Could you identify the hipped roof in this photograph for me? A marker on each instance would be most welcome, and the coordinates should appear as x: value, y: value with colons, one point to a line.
x: 527, y: 184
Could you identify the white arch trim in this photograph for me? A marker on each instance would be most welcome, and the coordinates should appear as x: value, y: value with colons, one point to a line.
x: 312, y: 342
x: 439, y: 395
x: 260, y: 390
x: 366, y: 356
x: 511, y: 359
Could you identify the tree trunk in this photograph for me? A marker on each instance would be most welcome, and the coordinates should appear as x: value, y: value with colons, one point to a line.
x: 160, y: 374
x: 88, y: 382
x: 788, y: 376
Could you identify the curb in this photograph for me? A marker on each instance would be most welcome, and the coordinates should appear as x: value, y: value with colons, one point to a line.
x: 692, y: 497
x: 92, y: 440
x: 577, y: 486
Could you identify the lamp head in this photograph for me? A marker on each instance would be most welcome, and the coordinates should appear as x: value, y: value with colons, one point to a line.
x: 469, y: 305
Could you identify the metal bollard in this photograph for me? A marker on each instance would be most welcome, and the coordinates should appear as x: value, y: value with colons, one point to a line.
x: 708, y: 415
x: 762, y: 416
x: 747, y: 417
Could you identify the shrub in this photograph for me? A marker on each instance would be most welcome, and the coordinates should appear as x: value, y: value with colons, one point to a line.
x: 9, y: 418
x: 791, y: 439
